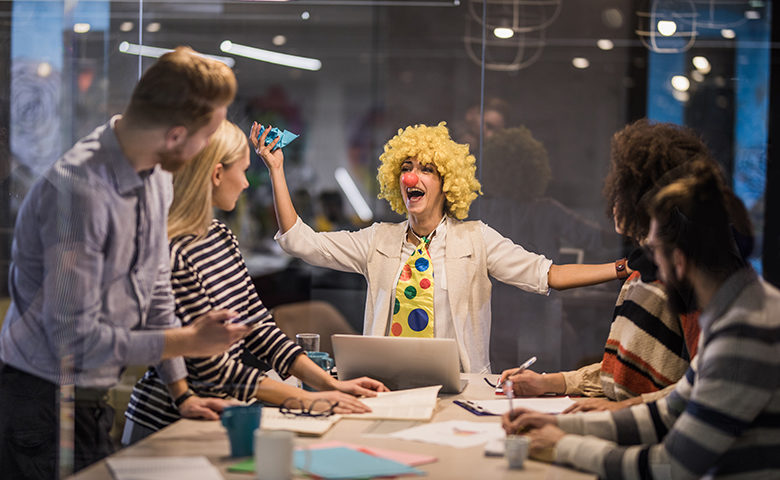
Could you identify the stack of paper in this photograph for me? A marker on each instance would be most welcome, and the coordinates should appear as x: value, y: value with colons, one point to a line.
x: 411, y: 404
x: 162, y: 468
x: 455, y: 433
x: 272, y: 419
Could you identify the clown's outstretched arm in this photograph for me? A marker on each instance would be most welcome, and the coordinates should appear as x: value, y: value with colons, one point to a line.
x: 561, y: 277
x: 274, y: 160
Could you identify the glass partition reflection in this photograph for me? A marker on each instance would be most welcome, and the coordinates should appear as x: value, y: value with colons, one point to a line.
x: 535, y: 88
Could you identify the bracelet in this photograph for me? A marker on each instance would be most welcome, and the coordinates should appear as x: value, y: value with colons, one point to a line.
x: 620, y: 269
x: 184, y: 396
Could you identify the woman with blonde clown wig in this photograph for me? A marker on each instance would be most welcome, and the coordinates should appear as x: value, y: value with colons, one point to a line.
x: 430, y: 178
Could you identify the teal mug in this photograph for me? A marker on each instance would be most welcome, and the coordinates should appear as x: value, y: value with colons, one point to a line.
x: 323, y: 360
x: 241, y: 421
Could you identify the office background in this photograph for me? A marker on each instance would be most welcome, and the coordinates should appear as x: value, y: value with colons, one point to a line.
x: 571, y: 72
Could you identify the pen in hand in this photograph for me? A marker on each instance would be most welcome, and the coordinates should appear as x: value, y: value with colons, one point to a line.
x: 525, y: 365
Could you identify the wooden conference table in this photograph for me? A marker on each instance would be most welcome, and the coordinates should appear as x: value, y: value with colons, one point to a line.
x: 192, y: 437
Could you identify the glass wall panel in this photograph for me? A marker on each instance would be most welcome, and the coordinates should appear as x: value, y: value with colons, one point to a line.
x: 536, y: 88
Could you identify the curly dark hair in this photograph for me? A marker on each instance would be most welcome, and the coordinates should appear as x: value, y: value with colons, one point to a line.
x: 515, y: 165
x: 644, y: 157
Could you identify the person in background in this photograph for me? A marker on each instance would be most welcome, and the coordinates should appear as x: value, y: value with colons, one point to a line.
x: 720, y: 420
x: 89, y: 279
x: 427, y: 276
x: 515, y: 171
x: 496, y: 113
x: 649, y: 347
x: 207, y: 272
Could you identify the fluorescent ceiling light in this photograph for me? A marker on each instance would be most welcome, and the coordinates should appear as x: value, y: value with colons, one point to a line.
x: 728, y: 33
x: 353, y: 194
x: 81, y: 27
x: 155, y: 52
x: 293, y: 61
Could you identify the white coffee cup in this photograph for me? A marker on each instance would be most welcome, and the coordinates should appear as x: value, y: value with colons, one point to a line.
x: 273, y: 454
x: 516, y: 450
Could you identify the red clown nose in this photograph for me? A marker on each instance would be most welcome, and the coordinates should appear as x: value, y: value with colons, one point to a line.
x: 409, y: 179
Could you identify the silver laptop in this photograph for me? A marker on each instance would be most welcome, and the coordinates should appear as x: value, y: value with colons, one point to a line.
x: 400, y: 362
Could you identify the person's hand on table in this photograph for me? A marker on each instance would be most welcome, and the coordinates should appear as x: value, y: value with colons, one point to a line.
x: 205, y: 408
x: 521, y: 419
x: 360, y: 387
x: 600, y: 405
x: 543, y: 441
x: 344, y: 402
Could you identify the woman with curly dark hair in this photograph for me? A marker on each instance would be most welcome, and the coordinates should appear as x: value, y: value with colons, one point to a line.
x: 649, y: 347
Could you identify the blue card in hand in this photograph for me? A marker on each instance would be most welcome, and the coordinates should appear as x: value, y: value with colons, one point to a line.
x: 286, y: 136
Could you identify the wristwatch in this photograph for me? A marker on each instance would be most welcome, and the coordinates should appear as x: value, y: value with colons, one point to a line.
x: 621, y: 269
x: 184, y: 396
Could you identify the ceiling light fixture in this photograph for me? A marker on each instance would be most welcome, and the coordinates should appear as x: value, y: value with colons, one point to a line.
x: 503, y: 32
x: 155, y: 52
x: 702, y: 64
x: 81, y: 27
x: 293, y: 61
x: 605, y: 44
x: 580, y: 62
x: 667, y: 28
x: 353, y: 195
x: 681, y: 83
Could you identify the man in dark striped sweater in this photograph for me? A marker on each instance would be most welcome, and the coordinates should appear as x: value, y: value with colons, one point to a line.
x: 723, y: 418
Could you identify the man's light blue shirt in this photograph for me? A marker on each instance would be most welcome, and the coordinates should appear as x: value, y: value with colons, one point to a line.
x: 90, y: 273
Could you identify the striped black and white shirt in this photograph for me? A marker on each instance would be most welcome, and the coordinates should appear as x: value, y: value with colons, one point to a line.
x: 206, y: 274
x: 723, y: 418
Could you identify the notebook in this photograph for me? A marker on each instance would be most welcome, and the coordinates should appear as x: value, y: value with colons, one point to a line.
x: 400, y: 362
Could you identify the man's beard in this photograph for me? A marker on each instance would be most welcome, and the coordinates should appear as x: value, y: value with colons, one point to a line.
x: 172, y: 160
x: 680, y: 295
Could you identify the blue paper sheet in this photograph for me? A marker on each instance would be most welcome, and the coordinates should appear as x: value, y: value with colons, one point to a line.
x: 287, y: 136
x: 342, y: 462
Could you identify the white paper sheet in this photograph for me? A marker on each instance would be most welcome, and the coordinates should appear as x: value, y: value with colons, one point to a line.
x: 454, y: 433
x: 411, y: 404
x: 540, y: 404
x: 162, y: 468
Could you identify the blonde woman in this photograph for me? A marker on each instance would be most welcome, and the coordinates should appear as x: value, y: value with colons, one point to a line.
x: 431, y: 179
x: 208, y: 272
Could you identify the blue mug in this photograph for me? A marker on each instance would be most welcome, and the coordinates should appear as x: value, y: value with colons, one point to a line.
x: 241, y: 421
x: 323, y: 360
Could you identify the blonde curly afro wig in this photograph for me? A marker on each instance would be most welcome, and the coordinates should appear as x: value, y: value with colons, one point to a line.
x: 430, y: 145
